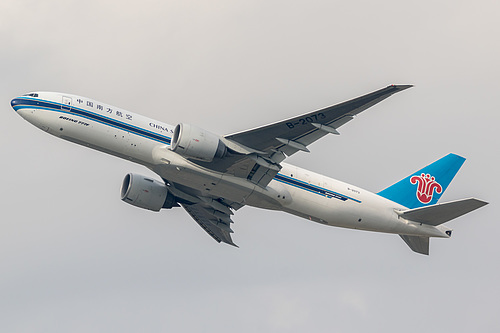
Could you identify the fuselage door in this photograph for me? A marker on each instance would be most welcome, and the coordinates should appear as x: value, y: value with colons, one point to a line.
x: 66, y: 103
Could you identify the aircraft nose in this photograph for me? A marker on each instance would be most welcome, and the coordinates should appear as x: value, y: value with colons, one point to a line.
x: 15, y: 103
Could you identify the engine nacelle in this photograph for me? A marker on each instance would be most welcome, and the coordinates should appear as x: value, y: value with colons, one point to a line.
x: 196, y: 143
x: 143, y: 192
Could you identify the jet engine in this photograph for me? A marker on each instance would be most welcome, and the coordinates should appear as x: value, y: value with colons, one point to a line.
x: 196, y: 143
x: 143, y: 192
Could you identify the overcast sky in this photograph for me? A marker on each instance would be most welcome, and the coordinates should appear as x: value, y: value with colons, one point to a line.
x: 74, y: 258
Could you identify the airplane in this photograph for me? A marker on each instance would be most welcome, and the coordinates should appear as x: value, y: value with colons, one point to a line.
x: 211, y: 176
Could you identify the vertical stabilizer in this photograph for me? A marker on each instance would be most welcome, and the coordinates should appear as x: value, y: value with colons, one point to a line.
x: 425, y: 186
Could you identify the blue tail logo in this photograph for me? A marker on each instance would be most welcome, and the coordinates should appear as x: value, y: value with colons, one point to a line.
x: 425, y: 186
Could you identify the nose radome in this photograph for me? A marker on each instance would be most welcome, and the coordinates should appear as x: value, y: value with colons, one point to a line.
x: 14, y: 103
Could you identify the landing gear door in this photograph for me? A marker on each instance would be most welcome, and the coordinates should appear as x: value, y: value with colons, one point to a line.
x: 67, y: 103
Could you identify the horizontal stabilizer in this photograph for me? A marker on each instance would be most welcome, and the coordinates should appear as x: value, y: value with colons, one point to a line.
x: 418, y: 244
x: 441, y: 213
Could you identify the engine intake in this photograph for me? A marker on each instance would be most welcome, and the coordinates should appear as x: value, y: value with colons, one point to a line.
x: 143, y: 192
x: 196, y: 143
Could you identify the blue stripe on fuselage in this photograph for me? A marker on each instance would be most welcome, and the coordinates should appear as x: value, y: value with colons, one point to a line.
x: 312, y: 188
x: 23, y: 103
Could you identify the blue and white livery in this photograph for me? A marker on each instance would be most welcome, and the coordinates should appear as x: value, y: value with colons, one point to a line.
x: 212, y: 176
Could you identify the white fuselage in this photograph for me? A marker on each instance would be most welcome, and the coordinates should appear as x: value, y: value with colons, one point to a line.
x: 146, y: 141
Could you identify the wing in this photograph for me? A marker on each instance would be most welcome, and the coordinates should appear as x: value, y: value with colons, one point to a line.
x: 212, y: 214
x: 257, y: 153
x: 294, y: 134
x: 214, y: 222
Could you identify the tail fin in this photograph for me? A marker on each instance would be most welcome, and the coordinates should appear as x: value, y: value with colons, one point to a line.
x: 425, y: 186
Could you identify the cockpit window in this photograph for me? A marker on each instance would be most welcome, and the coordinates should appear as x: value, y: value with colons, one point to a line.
x: 32, y: 95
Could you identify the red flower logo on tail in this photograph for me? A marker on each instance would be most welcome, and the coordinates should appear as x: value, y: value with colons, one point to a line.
x: 426, y: 186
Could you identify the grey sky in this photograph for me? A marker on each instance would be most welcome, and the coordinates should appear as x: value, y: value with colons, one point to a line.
x: 73, y: 257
